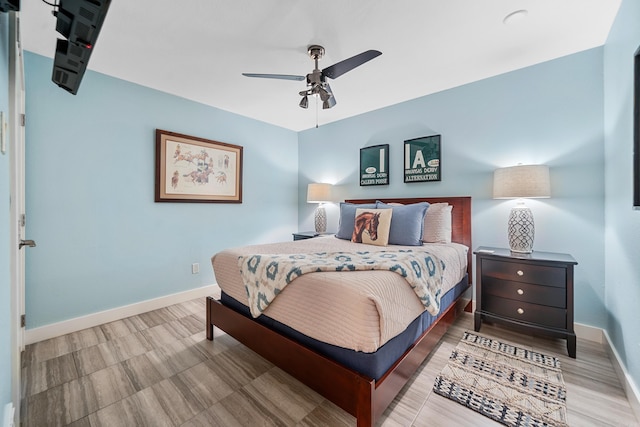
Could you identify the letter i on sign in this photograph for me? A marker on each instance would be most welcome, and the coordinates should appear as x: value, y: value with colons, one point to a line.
x: 407, y: 154
x: 382, y: 158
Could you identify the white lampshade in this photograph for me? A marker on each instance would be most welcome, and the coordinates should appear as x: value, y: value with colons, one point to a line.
x: 522, y: 181
x: 318, y: 193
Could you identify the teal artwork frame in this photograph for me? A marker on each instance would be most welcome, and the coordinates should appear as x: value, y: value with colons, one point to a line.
x: 422, y: 159
x: 374, y: 165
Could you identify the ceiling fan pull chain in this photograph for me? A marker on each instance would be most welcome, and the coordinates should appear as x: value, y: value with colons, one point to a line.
x: 316, y: 112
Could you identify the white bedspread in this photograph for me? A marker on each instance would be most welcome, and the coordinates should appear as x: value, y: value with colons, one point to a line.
x: 359, y: 310
x: 266, y: 275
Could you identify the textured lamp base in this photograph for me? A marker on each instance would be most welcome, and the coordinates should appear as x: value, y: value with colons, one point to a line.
x: 320, y: 219
x: 521, y: 229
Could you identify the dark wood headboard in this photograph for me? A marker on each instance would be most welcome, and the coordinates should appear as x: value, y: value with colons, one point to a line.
x: 460, y: 218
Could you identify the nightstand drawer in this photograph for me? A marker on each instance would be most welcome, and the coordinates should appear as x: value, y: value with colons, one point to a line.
x: 525, y: 312
x: 523, y: 272
x: 535, y: 294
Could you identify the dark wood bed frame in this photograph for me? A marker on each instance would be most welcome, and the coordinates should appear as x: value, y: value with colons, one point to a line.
x: 361, y: 396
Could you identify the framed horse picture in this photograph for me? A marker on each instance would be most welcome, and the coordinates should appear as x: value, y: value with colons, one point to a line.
x: 192, y: 169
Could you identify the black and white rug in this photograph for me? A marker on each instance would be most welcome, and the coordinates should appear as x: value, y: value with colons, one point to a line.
x: 511, y: 385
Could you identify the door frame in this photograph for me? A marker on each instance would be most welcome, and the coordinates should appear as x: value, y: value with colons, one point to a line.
x: 17, y: 204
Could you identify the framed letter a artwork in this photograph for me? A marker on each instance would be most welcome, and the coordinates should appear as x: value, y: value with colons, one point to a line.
x: 422, y: 159
x: 191, y: 169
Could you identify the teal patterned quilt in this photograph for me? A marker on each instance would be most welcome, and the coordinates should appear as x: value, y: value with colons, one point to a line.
x: 266, y: 275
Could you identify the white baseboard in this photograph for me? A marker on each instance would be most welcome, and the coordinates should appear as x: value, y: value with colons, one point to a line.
x: 9, y: 413
x: 589, y: 333
x: 601, y: 336
x: 72, y: 325
x: 629, y: 386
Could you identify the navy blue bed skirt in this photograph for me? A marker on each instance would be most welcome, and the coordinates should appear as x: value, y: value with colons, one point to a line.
x: 373, y: 365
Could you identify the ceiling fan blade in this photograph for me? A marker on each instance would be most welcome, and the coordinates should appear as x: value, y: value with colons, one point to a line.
x: 336, y: 70
x: 276, y: 76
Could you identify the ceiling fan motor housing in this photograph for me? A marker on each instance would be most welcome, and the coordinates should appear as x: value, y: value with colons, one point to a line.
x: 315, y: 78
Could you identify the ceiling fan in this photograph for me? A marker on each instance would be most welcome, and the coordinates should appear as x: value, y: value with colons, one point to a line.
x: 316, y: 80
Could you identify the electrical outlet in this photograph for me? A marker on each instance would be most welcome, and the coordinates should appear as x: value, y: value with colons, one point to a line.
x: 195, y: 268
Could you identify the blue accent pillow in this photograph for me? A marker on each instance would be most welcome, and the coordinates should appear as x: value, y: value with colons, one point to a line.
x: 407, y: 223
x: 348, y: 218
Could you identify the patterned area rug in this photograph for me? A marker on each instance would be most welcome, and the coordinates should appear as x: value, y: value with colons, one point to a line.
x: 511, y: 385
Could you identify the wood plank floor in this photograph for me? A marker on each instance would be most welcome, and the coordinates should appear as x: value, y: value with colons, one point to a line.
x: 158, y: 369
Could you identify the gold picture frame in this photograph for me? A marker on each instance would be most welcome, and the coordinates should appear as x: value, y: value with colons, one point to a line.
x: 197, y: 170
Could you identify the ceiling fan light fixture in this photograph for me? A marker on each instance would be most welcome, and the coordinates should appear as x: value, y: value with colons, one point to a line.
x: 304, y: 102
x: 329, y: 102
x: 324, y: 95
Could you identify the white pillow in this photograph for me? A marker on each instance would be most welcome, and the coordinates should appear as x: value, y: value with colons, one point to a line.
x: 437, y: 223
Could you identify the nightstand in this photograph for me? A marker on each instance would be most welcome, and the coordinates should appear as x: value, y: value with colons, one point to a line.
x: 529, y: 292
x: 302, y: 235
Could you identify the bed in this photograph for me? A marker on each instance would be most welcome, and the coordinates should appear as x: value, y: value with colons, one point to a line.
x: 363, y: 372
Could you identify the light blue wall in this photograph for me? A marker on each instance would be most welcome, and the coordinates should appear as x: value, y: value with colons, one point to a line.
x: 551, y: 113
x: 5, y: 279
x: 622, y: 226
x: 102, y: 241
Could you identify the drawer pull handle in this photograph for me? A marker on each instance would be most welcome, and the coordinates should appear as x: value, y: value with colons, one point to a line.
x: 520, y: 311
x: 520, y: 273
x: 520, y: 292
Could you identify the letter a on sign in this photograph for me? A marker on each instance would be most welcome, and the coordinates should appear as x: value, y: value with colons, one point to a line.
x: 418, y: 160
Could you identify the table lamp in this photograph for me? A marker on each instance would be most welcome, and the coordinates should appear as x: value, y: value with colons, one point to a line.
x: 319, y: 193
x: 520, y: 182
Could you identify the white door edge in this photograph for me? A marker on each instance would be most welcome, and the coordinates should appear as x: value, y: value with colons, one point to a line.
x: 17, y: 208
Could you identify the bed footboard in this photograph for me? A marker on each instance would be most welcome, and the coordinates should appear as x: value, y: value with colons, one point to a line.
x: 363, y: 397
x: 340, y: 385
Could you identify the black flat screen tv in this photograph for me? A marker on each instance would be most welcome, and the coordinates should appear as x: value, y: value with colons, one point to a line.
x: 9, y: 5
x: 80, y: 22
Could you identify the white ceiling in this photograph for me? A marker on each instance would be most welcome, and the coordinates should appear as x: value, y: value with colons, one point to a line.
x: 197, y: 49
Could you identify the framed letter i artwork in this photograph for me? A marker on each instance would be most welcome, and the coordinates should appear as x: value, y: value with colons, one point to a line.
x: 374, y: 165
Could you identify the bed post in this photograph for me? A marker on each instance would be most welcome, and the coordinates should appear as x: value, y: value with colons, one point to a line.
x: 209, y: 325
x: 365, y: 405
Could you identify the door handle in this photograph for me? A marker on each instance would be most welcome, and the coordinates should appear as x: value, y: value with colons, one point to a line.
x: 30, y: 243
